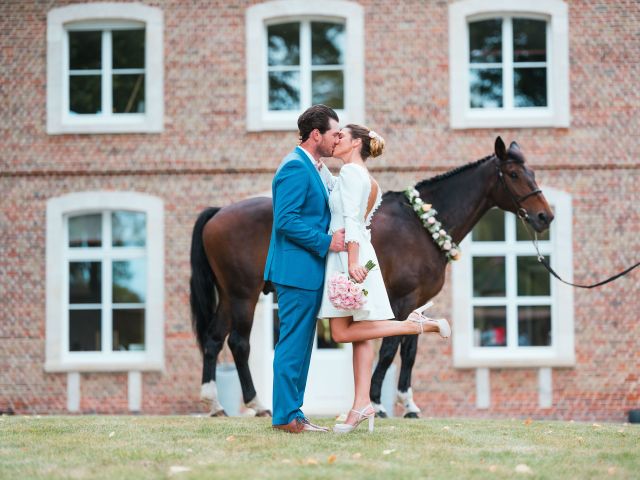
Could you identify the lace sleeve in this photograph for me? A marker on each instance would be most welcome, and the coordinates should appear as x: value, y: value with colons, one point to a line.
x: 351, y: 190
x: 328, y: 179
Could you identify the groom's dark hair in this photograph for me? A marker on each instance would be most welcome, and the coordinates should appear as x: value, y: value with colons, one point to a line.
x: 314, y: 117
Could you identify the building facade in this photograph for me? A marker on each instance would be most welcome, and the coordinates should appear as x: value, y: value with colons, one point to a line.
x: 122, y: 121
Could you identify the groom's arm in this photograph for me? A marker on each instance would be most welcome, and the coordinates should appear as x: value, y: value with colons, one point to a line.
x: 291, y: 185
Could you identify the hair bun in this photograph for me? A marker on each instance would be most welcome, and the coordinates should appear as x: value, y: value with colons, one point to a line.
x: 376, y: 144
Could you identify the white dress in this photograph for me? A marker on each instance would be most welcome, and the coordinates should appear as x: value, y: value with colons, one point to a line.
x: 348, y: 198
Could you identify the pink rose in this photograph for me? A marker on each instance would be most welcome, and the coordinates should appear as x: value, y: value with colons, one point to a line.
x: 431, y: 220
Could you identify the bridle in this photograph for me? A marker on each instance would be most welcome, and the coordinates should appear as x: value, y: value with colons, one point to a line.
x: 520, y: 210
x: 524, y: 217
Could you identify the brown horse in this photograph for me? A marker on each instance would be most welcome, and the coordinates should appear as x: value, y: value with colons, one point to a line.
x: 229, y: 250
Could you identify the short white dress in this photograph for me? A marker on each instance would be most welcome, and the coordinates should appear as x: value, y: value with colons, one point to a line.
x: 348, y: 198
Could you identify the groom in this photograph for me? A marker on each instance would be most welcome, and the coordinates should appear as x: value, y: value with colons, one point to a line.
x: 296, y: 261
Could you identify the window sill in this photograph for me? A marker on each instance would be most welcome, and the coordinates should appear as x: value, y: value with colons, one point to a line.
x: 526, y: 118
x: 95, y: 124
x: 108, y: 363
x: 284, y: 121
x: 525, y: 359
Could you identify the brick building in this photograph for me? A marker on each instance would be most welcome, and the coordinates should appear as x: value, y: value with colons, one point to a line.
x: 120, y: 122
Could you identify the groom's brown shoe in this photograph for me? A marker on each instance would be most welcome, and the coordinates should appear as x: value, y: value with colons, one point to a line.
x: 312, y: 427
x: 294, y: 426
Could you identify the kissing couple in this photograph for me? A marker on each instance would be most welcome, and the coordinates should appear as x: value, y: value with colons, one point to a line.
x: 319, y: 230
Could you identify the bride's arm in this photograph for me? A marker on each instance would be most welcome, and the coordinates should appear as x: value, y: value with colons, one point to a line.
x: 328, y: 178
x: 356, y: 271
x: 351, y: 191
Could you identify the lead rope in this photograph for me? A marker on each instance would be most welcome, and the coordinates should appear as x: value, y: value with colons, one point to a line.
x: 541, y: 259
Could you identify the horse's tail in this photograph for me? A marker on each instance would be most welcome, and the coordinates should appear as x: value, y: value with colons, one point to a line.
x: 203, y: 281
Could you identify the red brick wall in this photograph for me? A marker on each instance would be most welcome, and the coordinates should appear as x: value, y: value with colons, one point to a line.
x: 407, y: 97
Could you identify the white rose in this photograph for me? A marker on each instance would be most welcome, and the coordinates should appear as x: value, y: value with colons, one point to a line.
x: 442, y: 233
x: 447, y: 245
x: 431, y: 220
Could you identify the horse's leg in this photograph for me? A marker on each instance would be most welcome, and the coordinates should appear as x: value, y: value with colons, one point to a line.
x: 388, y: 350
x: 408, y: 351
x: 216, y: 333
x: 242, y: 319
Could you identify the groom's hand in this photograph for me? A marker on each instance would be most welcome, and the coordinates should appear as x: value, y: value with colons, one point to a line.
x: 337, y: 241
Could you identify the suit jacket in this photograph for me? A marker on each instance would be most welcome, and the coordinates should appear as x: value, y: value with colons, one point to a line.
x: 301, y: 216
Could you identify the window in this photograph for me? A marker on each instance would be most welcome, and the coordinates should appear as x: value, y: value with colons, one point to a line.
x: 104, y: 282
x: 104, y: 75
x: 300, y: 54
x: 509, y: 68
x: 291, y: 51
x: 508, y: 309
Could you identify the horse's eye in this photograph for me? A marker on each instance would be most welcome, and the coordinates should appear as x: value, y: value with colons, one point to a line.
x: 514, y: 175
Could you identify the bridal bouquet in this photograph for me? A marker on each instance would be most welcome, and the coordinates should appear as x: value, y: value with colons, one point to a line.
x: 345, y: 293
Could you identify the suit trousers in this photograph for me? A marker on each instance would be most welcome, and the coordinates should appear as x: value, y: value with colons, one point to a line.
x: 297, y: 310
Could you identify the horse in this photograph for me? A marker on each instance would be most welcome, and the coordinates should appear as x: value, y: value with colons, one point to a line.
x: 229, y: 249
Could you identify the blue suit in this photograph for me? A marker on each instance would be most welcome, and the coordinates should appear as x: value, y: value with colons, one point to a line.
x: 295, y: 265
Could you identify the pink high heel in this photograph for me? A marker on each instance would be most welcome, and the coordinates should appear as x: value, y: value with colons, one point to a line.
x: 416, y: 316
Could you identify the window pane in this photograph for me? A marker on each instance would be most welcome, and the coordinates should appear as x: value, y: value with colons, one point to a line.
x: 85, y: 94
x: 490, y: 228
x: 328, y: 88
x: 530, y: 87
x: 128, y: 93
x: 284, y: 44
x: 534, y: 326
x: 485, y: 41
x: 489, y: 326
x: 128, y: 48
x: 128, y: 229
x: 522, y: 234
x: 488, y: 277
x: 486, y: 88
x: 327, y: 43
x: 324, y: 335
x: 533, y: 278
x: 84, y: 330
x: 529, y: 40
x: 128, y: 329
x: 85, y: 230
x: 284, y: 90
x: 85, y: 50
x: 85, y: 281
x: 129, y: 281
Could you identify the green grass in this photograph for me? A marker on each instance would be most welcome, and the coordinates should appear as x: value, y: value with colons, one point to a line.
x: 144, y: 447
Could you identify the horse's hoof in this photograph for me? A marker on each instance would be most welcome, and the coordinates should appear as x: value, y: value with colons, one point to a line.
x: 382, y: 415
x: 411, y: 415
x: 263, y: 413
x: 219, y: 413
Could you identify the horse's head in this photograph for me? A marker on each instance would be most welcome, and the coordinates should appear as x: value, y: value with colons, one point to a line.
x: 516, y: 189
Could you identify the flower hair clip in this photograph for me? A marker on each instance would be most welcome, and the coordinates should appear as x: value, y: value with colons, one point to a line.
x: 373, y: 134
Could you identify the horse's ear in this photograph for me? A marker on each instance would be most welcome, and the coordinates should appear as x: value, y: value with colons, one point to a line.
x: 500, y: 149
x: 514, y: 146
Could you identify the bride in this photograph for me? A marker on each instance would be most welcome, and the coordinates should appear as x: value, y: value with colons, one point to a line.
x: 353, y: 200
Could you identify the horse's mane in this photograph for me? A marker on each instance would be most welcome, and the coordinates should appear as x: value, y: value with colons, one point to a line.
x: 455, y: 171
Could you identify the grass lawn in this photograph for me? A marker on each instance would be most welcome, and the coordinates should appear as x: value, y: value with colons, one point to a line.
x: 118, y: 447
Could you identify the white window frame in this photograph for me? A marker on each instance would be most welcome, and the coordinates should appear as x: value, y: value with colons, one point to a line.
x: 556, y: 113
x: 58, y: 357
x: 258, y: 17
x: 105, y: 17
x: 561, y: 353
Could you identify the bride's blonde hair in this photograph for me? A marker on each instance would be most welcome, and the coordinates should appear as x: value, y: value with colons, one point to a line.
x: 372, y: 143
